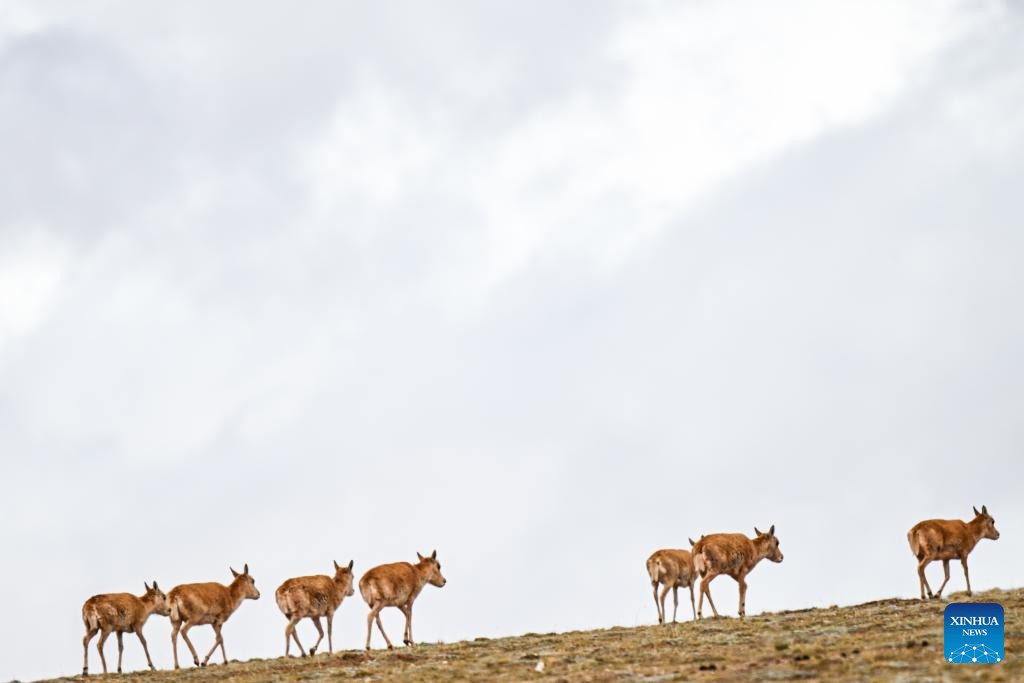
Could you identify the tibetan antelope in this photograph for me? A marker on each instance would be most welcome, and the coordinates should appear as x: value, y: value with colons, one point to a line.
x: 948, y: 539
x: 397, y: 585
x: 674, y: 569
x: 193, y: 604
x: 121, y: 613
x: 313, y: 597
x: 734, y: 555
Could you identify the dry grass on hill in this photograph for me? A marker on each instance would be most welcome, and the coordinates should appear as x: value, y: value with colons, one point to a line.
x: 883, y: 640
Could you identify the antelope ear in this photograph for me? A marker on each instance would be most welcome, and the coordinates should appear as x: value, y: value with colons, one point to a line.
x: 418, y: 555
x: 350, y: 563
x: 433, y: 555
x: 155, y: 587
x: 702, y: 537
x: 976, y: 513
x: 233, y: 572
x: 690, y: 540
x: 757, y: 531
x: 245, y: 569
x: 336, y: 567
x: 984, y: 510
x: 771, y: 532
x: 146, y: 585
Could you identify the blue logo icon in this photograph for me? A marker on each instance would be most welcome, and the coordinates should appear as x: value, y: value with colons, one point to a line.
x: 973, y: 632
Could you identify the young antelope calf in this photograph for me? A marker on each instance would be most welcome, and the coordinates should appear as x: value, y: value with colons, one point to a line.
x: 948, y: 539
x: 193, y: 604
x: 397, y: 585
x: 121, y: 613
x: 734, y: 555
x: 673, y: 568
x: 313, y: 597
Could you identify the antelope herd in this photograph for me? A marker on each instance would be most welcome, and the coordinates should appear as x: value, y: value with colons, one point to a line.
x: 398, y: 584
x: 195, y: 604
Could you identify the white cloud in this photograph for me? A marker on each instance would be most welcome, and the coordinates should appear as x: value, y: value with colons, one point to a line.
x: 375, y: 150
x: 704, y: 92
x: 708, y: 91
x: 31, y: 271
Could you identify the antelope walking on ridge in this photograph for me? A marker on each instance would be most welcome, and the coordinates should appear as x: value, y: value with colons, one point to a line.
x: 674, y: 569
x: 121, y: 613
x: 193, y: 604
x: 313, y: 597
x: 948, y: 539
x: 397, y: 585
x: 734, y: 555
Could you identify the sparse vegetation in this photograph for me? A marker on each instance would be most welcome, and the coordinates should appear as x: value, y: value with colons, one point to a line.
x: 882, y: 640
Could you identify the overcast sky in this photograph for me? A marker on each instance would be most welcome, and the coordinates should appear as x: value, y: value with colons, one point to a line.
x: 544, y: 286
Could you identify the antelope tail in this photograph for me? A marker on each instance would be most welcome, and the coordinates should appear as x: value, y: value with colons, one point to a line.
x: 914, y: 546
x: 284, y: 604
x: 175, y: 610
x: 366, y: 590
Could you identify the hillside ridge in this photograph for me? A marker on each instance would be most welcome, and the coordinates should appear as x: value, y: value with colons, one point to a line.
x: 878, y: 640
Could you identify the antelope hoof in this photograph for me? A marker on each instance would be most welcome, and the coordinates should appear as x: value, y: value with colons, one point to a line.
x: 118, y: 669
x: 85, y: 672
x: 390, y: 646
x: 312, y: 651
